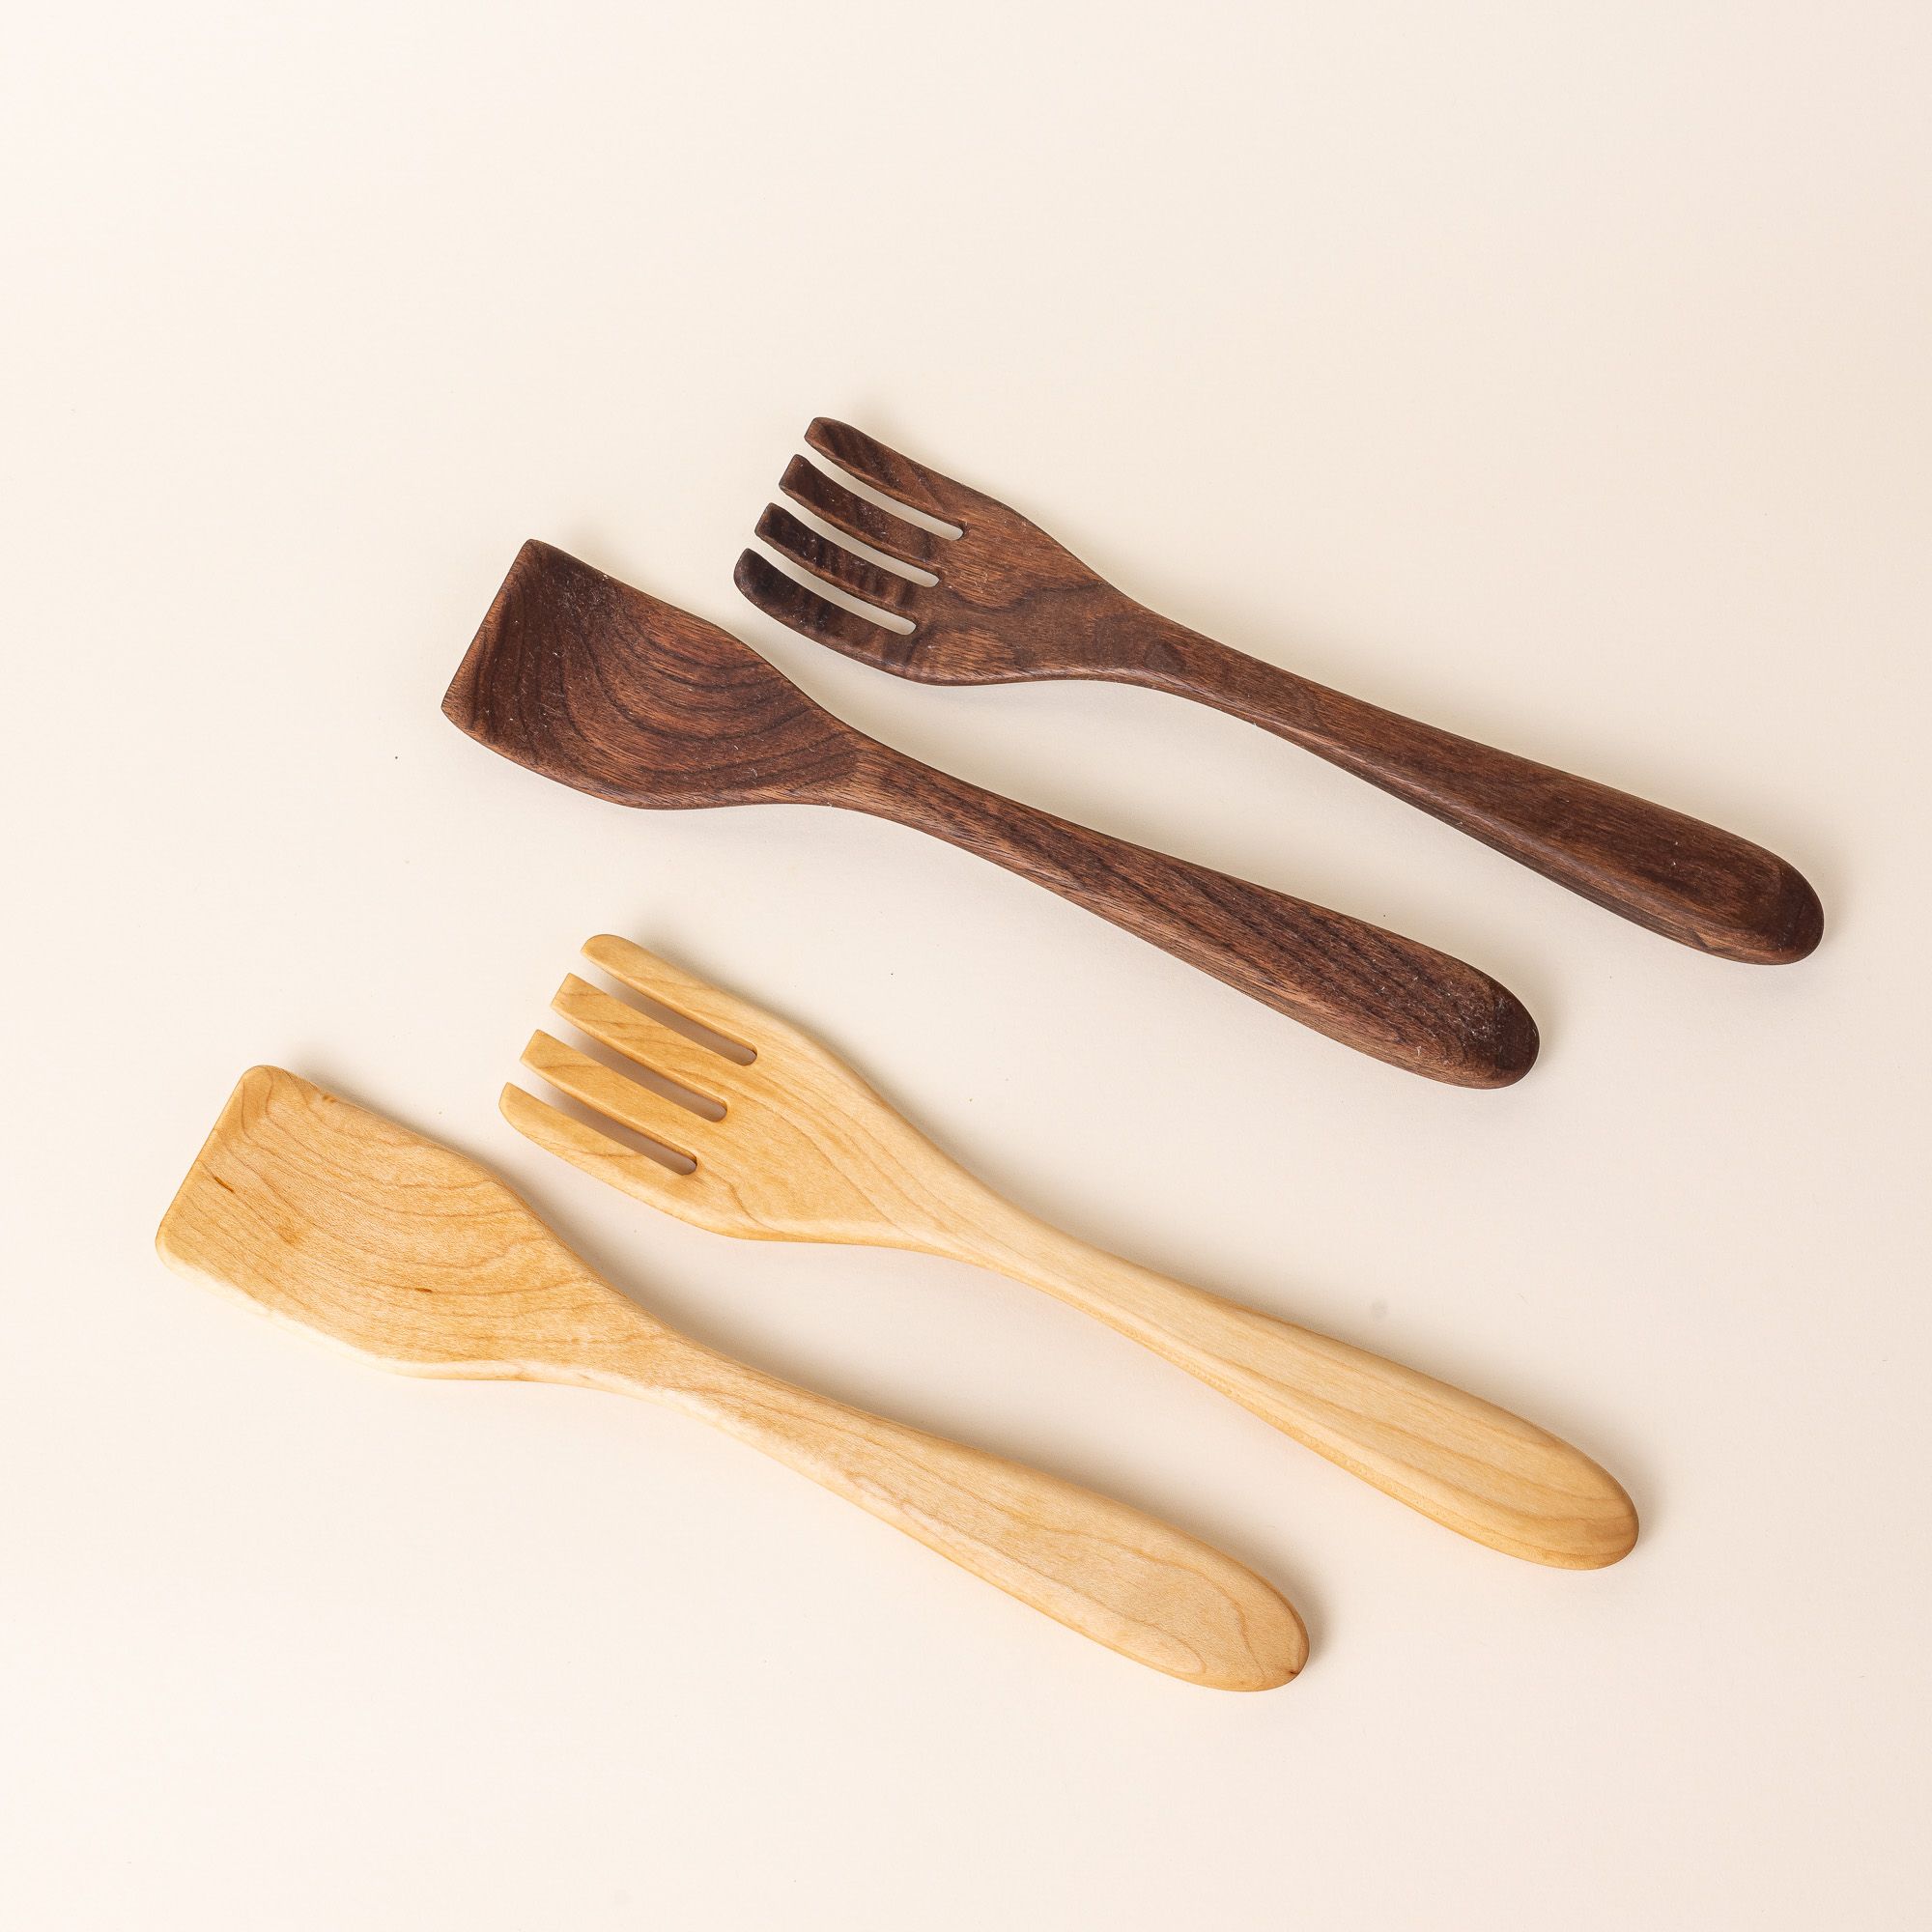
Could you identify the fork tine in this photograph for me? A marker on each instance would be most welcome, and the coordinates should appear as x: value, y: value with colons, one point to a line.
x: 885, y: 470
x: 724, y: 1013
x: 598, y: 1156
x: 614, y: 1095
x: 640, y: 1037
x: 846, y: 510
x: 804, y: 611
x: 831, y: 561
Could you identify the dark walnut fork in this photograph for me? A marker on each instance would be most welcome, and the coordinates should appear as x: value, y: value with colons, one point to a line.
x: 1012, y: 605
x: 603, y: 688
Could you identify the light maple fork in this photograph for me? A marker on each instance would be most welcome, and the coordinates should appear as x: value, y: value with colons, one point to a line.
x: 1006, y: 603
x: 782, y: 1141
x: 414, y: 1257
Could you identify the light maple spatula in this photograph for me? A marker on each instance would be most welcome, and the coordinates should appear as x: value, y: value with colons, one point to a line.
x: 415, y: 1257
x: 795, y: 1146
x: 601, y: 686
x: 1011, y: 604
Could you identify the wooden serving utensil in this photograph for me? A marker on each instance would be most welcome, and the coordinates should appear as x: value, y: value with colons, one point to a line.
x: 595, y: 684
x: 1011, y: 604
x: 805, y: 1151
x: 417, y: 1259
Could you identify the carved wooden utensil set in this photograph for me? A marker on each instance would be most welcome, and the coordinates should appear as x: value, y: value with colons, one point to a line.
x: 412, y: 1254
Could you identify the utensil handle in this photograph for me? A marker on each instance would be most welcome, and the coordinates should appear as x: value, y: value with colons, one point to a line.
x: 1674, y: 874
x: 1471, y: 1466
x: 1115, y: 1574
x: 1374, y: 990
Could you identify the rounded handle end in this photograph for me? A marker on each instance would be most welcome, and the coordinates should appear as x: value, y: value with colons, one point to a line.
x: 1791, y: 925
x: 1502, y: 1053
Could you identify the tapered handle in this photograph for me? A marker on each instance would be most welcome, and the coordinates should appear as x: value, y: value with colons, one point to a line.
x: 1374, y: 990
x: 1472, y: 1466
x: 1676, y: 875
x: 1115, y: 1574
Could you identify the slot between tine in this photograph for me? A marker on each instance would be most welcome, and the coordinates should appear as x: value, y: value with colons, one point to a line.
x: 585, y: 1148
x: 811, y: 615
x: 832, y: 562
x: 735, y: 1021
x: 609, y: 1093
x: 647, y: 1043
x: 829, y: 500
x: 889, y: 473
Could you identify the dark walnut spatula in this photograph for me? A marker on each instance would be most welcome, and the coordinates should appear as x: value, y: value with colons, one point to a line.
x: 1011, y: 604
x: 597, y: 685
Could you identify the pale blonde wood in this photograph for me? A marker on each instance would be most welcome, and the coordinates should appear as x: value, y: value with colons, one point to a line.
x: 414, y: 1256
x: 807, y: 1151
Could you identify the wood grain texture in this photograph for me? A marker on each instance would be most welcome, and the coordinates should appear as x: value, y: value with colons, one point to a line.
x: 806, y: 1151
x: 1012, y: 605
x: 601, y: 686
x: 415, y: 1257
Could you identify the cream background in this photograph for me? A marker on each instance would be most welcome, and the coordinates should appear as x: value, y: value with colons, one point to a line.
x: 1558, y: 374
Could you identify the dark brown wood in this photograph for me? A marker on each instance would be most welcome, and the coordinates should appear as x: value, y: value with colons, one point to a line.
x: 601, y: 686
x: 1012, y: 605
